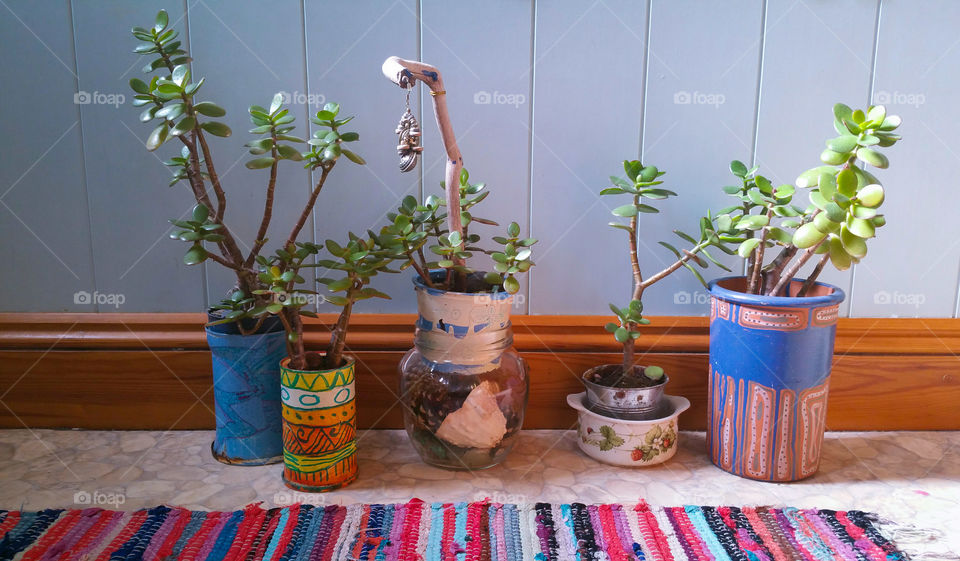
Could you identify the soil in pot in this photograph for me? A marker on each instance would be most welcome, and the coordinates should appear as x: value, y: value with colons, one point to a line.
x: 611, y: 376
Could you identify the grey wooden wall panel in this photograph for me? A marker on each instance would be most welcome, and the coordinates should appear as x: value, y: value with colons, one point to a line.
x: 129, y: 198
x: 91, y: 213
x: 43, y: 205
x: 700, y: 112
x: 246, y: 58
x: 911, y: 271
x: 486, y: 69
x: 346, y: 44
x: 588, y: 92
x: 813, y: 58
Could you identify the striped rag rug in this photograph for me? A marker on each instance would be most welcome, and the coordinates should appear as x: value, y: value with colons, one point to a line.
x: 447, y: 531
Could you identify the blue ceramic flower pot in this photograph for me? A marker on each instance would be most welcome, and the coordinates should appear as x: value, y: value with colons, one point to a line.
x: 246, y: 388
x: 770, y: 360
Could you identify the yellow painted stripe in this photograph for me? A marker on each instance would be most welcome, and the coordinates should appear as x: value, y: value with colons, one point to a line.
x: 312, y: 464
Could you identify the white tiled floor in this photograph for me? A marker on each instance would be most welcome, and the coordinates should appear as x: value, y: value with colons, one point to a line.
x: 912, y: 478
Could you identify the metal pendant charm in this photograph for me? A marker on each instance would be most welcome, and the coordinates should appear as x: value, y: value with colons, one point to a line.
x: 408, y: 147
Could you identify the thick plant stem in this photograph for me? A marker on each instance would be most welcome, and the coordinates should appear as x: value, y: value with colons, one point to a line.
x: 299, y: 355
x: 812, y: 279
x: 228, y: 247
x: 638, y: 287
x: 634, y: 258
x: 292, y: 238
x: 789, y: 273
x: 754, y: 280
x: 338, y: 337
x: 212, y: 172
x: 261, y: 238
x: 421, y: 270
x: 628, y: 354
x: 291, y: 349
x: 772, y: 275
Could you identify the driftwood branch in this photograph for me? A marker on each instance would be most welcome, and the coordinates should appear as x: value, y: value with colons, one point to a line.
x: 405, y: 74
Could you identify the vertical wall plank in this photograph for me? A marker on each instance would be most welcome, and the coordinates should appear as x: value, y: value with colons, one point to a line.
x: 129, y: 198
x: 248, y: 51
x: 589, y: 89
x: 347, y: 43
x: 486, y: 69
x: 700, y: 113
x: 814, y: 57
x: 912, y: 266
x: 44, y: 221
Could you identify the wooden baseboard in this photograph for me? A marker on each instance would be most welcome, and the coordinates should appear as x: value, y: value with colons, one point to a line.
x: 152, y: 371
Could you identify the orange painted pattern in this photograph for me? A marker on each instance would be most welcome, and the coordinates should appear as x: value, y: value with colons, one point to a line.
x: 780, y: 319
x: 771, y: 436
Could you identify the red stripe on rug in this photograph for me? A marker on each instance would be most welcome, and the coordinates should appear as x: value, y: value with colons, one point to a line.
x: 411, y: 527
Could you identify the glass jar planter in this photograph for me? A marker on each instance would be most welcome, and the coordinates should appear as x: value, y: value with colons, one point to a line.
x: 463, y: 386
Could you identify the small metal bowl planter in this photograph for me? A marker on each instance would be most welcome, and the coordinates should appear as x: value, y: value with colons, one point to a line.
x: 632, y: 404
x: 628, y: 443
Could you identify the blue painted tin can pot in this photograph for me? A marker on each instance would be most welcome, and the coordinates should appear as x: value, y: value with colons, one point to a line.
x: 246, y: 388
x: 770, y: 360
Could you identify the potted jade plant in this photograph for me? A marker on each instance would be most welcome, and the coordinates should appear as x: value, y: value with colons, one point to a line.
x: 246, y: 343
x: 625, y: 418
x: 771, y: 333
x: 463, y: 386
x: 628, y: 390
x: 318, y: 388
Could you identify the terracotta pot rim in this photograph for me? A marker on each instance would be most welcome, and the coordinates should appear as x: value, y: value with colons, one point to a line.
x: 717, y: 290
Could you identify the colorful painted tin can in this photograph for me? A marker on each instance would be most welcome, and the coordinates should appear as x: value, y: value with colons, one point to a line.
x: 770, y: 360
x: 319, y: 427
x: 247, y: 394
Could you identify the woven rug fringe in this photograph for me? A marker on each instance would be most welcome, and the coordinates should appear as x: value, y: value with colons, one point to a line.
x: 915, y: 542
x: 472, y: 531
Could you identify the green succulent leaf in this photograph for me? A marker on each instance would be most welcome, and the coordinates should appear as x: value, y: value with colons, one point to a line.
x: 872, y: 157
x: 626, y: 211
x: 209, y: 109
x: 260, y: 163
x: 216, y: 128
x: 746, y: 248
x: 738, y: 168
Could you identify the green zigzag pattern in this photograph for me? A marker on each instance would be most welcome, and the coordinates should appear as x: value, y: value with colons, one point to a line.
x: 311, y: 464
x: 318, y: 381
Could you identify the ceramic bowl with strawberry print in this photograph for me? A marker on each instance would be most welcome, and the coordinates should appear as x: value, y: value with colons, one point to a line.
x: 629, y: 443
